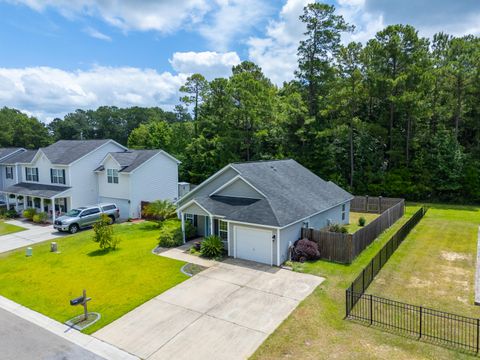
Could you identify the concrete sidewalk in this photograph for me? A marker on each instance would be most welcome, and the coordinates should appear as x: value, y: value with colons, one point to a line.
x: 32, y: 235
x: 74, y: 340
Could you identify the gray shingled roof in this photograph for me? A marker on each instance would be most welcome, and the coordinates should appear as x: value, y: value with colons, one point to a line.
x: 20, y: 157
x: 65, y: 152
x: 291, y: 191
x: 131, y: 159
x: 37, y: 190
x: 5, y: 152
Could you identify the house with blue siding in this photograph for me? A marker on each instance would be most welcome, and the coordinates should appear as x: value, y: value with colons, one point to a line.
x: 259, y: 208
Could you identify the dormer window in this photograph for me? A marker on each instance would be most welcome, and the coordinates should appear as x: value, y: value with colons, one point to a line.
x: 57, y: 176
x: 112, y: 176
x: 9, y: 172
x: 31, y: 174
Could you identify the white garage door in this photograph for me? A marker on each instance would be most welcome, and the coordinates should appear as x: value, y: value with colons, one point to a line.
x: 253, y: 244
x: 122, y: 204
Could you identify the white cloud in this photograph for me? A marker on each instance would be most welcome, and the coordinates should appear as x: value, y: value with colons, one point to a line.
x: 97, y: 34
x: 49, y: 92
x: 208, y: 63
x: 277, y: 52
x: 164, y: 16
x: 231, y: 18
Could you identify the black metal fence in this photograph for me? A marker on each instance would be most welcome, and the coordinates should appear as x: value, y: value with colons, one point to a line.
x: 371, y: 270
x: 416, y: 321
x: 436, y: 326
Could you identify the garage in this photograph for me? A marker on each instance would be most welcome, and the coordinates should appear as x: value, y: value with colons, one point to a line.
x: 253, y: 244
x: 122, y: 204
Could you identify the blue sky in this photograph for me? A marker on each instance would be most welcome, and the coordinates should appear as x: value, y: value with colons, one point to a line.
x: 60, y: 55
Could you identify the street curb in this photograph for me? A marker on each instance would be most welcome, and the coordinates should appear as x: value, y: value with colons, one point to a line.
x: 87, y: 342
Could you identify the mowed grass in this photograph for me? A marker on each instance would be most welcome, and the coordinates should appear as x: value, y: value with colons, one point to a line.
x: 435, y: 266
x: 117, y: 281
x: 354, y: 216
x: 9, y: 228
x: 316, y: 329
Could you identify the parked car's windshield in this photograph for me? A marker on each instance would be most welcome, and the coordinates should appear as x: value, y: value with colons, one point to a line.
x: 73, y: 212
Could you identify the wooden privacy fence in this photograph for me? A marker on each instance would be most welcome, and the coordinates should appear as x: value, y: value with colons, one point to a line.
x: 373, y: 204
x: 344, y: 248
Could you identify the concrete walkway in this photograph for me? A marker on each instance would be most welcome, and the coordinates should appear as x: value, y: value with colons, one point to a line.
x: 32, y: 235
x: 224, y: 312
x: 72, y: 341
x: 181, y: 253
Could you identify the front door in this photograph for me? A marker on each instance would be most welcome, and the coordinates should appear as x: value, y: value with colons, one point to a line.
x: 207, y: 226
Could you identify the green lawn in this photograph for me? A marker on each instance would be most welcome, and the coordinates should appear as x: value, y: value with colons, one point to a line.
x: 435, y: 266
x: 117, y: 281
x: 316, y: 329
x: 8, y: 228
x: 354, y: 216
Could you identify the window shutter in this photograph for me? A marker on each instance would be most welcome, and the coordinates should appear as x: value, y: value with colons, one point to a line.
x: 26, y: 174
x: 36, y: 174
x: 51, y: 176
x: 63, y: 178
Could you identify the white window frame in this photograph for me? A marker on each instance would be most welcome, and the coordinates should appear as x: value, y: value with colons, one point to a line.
x: 57, y: 176
x: 112, y: 176
x: 31, y: 174
x: 9, y: 172
x: 190, y: 217
x: 223, y: 236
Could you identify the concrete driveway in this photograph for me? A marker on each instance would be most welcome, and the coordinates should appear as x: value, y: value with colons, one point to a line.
x: 224, y: 312
x: 32, y: 235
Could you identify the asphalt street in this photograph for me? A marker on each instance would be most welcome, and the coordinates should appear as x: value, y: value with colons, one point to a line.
x: 22, y: 340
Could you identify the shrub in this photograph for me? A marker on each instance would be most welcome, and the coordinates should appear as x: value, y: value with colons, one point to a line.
x: 170, y: 233
x: 40, y: 218
x: 190, y: 230
x: 362, y: 221
x: 305, y: 249
x: 160, y: 210
x: 11, y: 214
x: 337, y: 228
x: 103, y: 234
x: 212, y: 247
x: 29, y: 213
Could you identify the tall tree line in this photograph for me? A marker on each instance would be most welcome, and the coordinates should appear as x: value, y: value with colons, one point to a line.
x: 397, y: 116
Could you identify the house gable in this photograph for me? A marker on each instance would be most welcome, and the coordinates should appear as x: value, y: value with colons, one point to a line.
x: 238, y: 187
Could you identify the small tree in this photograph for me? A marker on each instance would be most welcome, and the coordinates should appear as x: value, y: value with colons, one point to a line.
x: 160, y: 210
x: 103, y: 234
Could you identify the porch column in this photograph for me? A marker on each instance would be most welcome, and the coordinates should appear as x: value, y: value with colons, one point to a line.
x: 212, y: 230
x: 53, y: 209
x: 16, y: 202
x: 42, y: 205
x: 183, y: 226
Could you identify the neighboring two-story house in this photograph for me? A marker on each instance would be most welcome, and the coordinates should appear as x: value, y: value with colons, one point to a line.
x: 73, y: 173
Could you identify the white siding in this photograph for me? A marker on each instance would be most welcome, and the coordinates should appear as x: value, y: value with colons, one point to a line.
x: 83, y: 179
x: 156, y: 179
x: 117, y: 191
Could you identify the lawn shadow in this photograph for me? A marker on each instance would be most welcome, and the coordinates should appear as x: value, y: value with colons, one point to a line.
x: 101, y: 252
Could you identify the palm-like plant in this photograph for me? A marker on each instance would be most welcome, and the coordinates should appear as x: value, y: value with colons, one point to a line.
x: 160, y: 210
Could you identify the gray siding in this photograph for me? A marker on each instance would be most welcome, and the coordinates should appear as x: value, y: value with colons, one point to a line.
x: 211, y: 186
x: 195, y: 210
x: 240, y: 188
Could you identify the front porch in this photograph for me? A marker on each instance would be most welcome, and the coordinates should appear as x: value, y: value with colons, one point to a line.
x: 49, y: 199
x: 207, y: 225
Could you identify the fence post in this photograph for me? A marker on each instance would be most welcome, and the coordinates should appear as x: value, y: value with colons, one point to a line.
x: 478, y: 334
x: 421, y: 320
x: 379, y: 204
x: 371, y: 309
x: 363, y: 281
x: 366, y: 203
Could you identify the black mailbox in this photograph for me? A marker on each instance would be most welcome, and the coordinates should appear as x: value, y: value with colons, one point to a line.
x: 77, y: 301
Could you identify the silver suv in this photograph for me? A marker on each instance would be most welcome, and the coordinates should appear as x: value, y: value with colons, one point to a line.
x: 83, y: 217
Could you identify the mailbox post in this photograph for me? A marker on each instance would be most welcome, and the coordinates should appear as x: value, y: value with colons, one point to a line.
x: 82, y: 300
